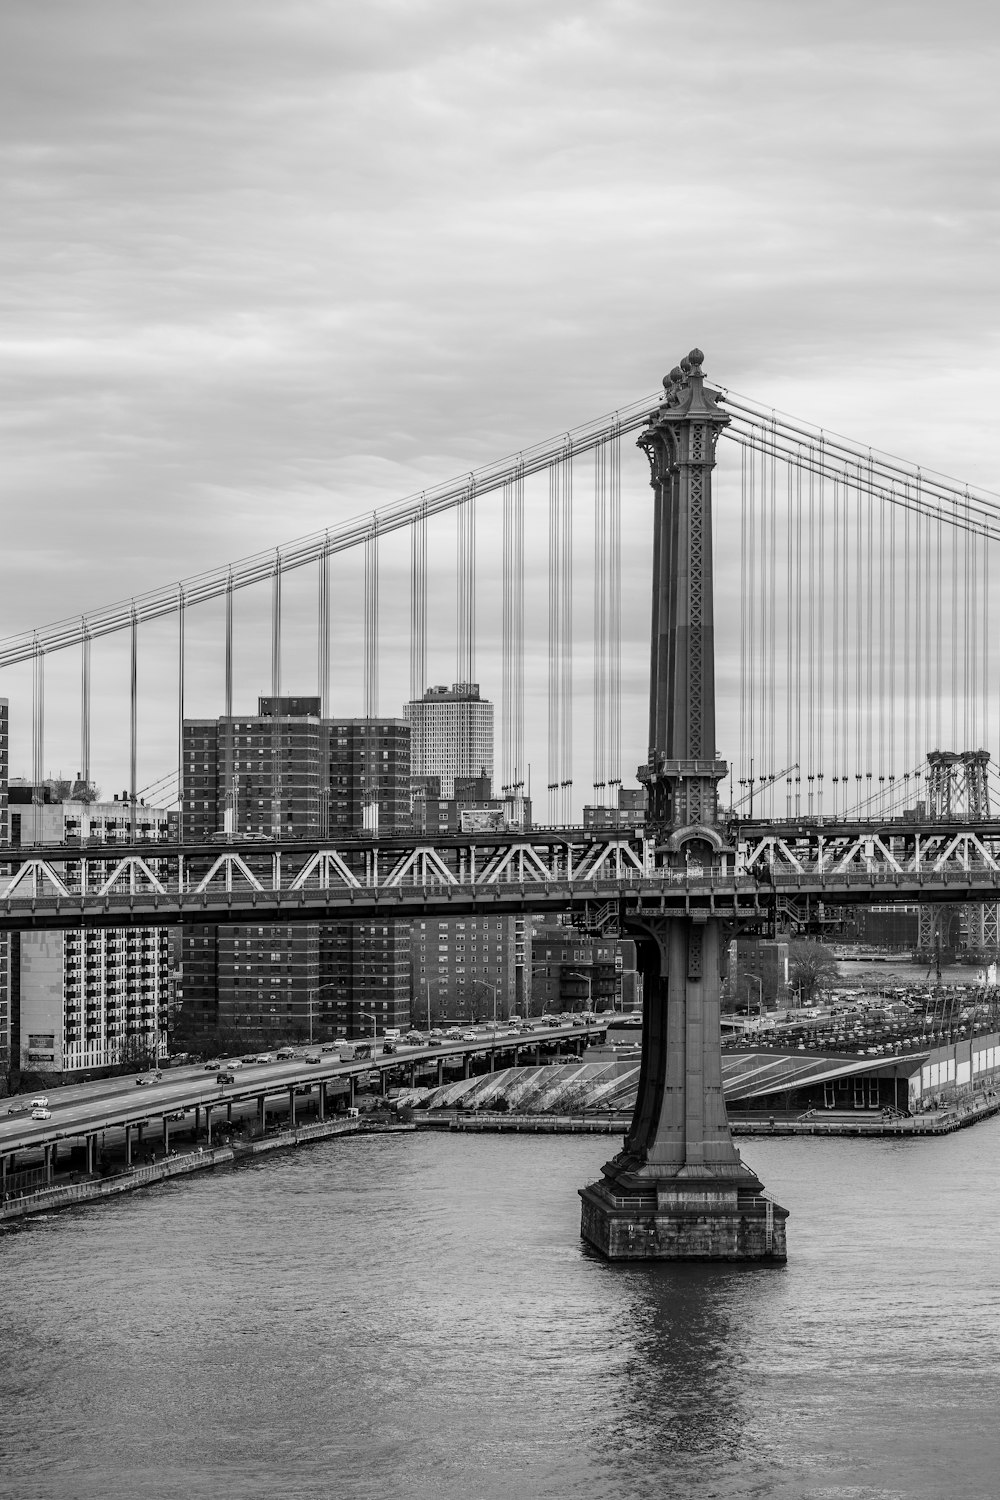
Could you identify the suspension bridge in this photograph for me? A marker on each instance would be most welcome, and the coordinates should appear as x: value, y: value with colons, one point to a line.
x: 854, y: 643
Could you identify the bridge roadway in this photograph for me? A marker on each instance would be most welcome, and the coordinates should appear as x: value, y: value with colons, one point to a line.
x: 665, y: 893
x: 87, y: 1109
x: 539, y: 870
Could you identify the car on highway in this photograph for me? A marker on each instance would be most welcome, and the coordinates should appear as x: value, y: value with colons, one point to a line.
x: 224, y: 1076
x: 17, y: 1109
x: 248, y: 1058
x: 212, y: 1064
x: 235, y: 1062
x: 313, y: 1057
x: 264, y: 1057
x: 40, y: 1102
x: 285, y: 1054
x: 327, y: 1047
x: 41, y: 1114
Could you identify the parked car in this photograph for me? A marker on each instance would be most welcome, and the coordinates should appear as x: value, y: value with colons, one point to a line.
x: 41, y: 1114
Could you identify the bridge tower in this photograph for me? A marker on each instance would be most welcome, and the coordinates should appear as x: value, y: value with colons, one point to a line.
x: 678, y: 1190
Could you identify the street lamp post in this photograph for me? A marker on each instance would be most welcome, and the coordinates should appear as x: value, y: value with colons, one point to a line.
x: 760, y: 988
x: 374, y: 1020
x: 493, y: 991
x: 576, y: 974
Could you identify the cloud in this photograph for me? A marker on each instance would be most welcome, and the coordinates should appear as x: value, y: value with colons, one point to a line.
x: 267, y: 267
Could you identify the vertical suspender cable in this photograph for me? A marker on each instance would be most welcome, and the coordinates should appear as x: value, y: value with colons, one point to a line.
x: 985, y: 638
x: 466, y: 610
x: 614, y: 716
x: 228, y: 757
x: 820, y: 639
x: 744, y: 693
x: 371, y: 622
x: 370, y: 799
x: 512, y: 703
x: 181, y: 610
x: 753, y: 590
x: 277, y: 789
x: 418, y: 634
x: 566, y: 685
x: 418, y: 605
x: 85, y: 704
x: 133, y: 721
x: 835, y: 644
x: 811, y: 631
x: 599, y: 771
x: 772, y: 503
x: 229, y: 647
x: 37, y: 735
x: 790, y: 745
x: 555, y: 627
x: 323, y: 635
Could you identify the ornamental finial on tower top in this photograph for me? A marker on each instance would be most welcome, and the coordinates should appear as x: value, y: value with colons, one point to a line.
x: 695, y: 357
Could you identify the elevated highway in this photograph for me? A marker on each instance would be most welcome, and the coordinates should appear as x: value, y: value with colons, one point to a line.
x: 81, y: 1112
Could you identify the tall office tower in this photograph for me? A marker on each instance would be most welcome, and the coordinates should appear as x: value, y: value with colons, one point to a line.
x: 451, y: 734
x: 287, y: 773
x: 88, y: 999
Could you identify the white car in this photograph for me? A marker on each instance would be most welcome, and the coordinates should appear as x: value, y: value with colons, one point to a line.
x: 40, y: 1113
x: 40, y: 1102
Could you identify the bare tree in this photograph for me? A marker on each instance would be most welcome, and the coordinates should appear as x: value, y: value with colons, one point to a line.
x: 812, y: 968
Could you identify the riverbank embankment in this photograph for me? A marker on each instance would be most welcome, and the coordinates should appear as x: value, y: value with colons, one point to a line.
x: 204, y: 1158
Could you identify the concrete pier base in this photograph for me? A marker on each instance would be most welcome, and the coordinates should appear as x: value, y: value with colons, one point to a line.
x: 689, y: 1217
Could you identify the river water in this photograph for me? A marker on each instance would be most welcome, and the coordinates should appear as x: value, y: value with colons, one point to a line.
x: 411, y: 1316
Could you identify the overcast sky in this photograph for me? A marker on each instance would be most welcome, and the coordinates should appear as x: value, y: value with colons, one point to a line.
x: 266, y: 266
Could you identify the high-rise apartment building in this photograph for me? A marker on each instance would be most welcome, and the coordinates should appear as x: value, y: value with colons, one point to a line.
x: 87, y: 999
x: 451, y: 734
x: 287, y: 773
x: 465, y: 969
